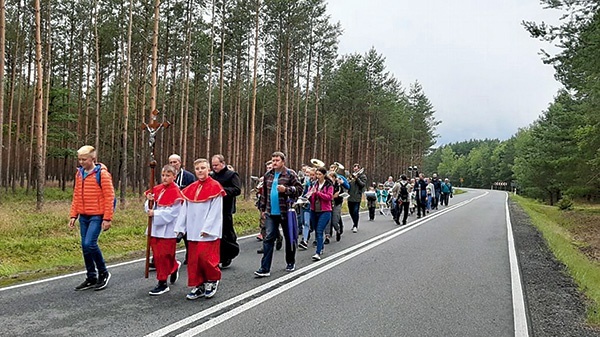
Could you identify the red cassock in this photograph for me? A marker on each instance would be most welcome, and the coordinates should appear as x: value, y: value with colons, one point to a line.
x: 168, y: 205
x: 203, y: 223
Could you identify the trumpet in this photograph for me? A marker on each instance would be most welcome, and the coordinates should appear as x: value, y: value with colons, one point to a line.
x: 317, y: 163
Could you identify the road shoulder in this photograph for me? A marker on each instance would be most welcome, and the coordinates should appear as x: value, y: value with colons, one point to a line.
x: 554, y: 305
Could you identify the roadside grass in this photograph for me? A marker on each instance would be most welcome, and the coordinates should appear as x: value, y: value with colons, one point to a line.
x: 458, y: 191
x: 35, y: 245
x: 559, y: 230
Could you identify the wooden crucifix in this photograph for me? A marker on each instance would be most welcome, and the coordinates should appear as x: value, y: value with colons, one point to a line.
x: 153, y: 127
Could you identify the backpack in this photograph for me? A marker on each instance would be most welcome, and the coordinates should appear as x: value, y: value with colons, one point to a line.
x: 99, y: 182
x: 403, y: 192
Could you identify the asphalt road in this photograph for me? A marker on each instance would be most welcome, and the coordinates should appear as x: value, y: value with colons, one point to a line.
x: 448, y: 274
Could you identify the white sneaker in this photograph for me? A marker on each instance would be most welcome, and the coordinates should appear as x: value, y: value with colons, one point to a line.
x: 316, y: 257
x: 354, y: 229
x: 196, y: 292
x: 210, y: 289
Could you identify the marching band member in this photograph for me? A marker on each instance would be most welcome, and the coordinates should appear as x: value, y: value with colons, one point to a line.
x: 310, y: 178
x: 339, y: 186
x: 321, y: 195
x: 357, y: 186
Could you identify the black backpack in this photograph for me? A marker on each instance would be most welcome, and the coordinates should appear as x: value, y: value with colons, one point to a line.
x: 404, y: 192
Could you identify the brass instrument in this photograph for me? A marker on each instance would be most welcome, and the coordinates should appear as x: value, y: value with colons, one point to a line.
x: 317, y: 163
x: 339, y: 168
x: 258, y: 181
x: 357, y: 173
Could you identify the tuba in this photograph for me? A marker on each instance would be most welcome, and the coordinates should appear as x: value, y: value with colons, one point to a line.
x: 317, y: 163
x: 339, y: 168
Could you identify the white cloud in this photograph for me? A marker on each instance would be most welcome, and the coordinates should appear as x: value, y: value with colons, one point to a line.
x: 475, y: 61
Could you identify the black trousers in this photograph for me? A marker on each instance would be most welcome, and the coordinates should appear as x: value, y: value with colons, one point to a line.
x: 421, y: 206
x: 371, y: 213
x: 229, y: 245
x: 401, y: 209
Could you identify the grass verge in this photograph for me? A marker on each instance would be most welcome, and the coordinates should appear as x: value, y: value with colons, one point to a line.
x: 555, y: 228
x: 35, y: 245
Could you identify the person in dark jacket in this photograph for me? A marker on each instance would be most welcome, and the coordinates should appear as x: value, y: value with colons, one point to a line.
x: 230, y: 181
x: 420, y: 189
x: 357, y: 187
x: 281, y: 187
x: 183, y: 177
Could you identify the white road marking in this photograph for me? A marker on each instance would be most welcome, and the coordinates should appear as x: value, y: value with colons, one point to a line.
x: 352, y: 252
x: 520, y: 315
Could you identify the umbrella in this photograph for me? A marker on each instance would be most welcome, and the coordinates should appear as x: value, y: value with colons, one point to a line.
x: 292, y: 223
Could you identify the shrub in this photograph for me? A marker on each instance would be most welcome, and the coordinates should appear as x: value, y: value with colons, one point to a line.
x: 565, y: 203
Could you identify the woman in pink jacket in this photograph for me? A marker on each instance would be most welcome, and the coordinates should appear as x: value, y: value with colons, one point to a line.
x: 321, y: 196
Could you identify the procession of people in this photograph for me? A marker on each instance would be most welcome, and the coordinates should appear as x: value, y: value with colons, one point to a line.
x: 200, y: 208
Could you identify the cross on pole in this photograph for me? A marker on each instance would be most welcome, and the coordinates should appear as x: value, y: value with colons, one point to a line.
x: 153, y: 127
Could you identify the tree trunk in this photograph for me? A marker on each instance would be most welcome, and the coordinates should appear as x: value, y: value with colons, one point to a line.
x: 222, y: 79
x: 39, y: 120
x: 47, y: 80
x: 2, y: 54
x: 253, y: 111
x: 306, y: 98
x: 210, y: 70
x: 278, y: 126
x: 125, y: 140
x: 317, y: 83
x: 98, y: 80
x: 287, y: 98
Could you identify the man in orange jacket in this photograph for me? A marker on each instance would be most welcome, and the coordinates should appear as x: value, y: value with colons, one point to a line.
x: 93, y: 204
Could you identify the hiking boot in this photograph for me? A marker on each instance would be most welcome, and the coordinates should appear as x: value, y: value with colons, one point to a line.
x: 102, y: 281
x: 196, y: 293
x: 160, y: 289
x: 210, y: 289
x: 175, y: 276
x: 87, y: 284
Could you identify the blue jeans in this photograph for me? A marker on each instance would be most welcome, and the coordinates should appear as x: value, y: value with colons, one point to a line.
x: 320, y: 220
x: 272, y: 223
x: 305, y: 224
x: 91, y: 227
x: 354, y: 208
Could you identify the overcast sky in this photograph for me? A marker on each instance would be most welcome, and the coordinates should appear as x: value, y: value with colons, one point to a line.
x: 475, y: 61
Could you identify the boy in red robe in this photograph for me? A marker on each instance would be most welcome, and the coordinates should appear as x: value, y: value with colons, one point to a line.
x: 168, y: 203
x: 202, y: 220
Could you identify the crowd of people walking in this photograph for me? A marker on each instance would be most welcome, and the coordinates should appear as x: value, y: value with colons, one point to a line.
x: 198, y: 209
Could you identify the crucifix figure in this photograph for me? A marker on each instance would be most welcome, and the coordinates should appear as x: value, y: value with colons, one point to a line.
x: 153, y: 127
